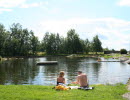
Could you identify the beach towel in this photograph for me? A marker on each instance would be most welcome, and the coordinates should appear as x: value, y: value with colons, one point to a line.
x: 82, y: 88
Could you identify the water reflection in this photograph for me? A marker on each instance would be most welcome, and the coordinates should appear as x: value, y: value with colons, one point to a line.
x: 25, y: 71
x: 18, y: 71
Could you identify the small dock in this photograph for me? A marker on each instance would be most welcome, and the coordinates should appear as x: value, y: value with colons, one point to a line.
x: 47, y: 63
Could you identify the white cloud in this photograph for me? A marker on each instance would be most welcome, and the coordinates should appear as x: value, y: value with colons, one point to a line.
x: 54, y: 11
x: 124, y: 3
x: 5, y: 5
x: 112, y: 32
x: 30, y: 5
x: 5, y: 9
x: 11, y: 3
x: 25, y: 5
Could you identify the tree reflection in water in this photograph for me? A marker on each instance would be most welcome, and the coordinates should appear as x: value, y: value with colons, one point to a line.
x: 18, y: 71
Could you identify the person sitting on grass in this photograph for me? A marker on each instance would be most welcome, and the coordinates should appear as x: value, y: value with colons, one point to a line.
x: 61, y: 79
x: 81, y: 80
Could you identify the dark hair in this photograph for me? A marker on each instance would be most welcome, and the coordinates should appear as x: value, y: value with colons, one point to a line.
x: 79, y: 71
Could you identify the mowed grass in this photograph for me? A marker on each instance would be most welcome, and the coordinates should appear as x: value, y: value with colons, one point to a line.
x: 33, y: 92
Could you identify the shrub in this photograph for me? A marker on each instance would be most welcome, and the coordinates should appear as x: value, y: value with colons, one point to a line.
x: 0, y: 58
x: 123, y: 51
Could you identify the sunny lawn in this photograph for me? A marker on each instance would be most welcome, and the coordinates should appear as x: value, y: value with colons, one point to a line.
x: 33, y: 92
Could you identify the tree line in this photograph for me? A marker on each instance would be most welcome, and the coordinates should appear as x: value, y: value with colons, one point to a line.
x: 18, y: 41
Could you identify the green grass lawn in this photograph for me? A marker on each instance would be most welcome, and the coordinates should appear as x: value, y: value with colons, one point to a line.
x: 111, y: 56
x: 33, y: 92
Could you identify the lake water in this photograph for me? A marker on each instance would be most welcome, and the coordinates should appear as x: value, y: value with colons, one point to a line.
x: 26, y: 72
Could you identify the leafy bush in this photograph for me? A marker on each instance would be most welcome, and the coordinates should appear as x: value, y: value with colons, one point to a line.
x: 123, y: 51
x: 0, y: 58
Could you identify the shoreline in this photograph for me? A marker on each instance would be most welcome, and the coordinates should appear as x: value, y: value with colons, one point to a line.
x: 121, y: 57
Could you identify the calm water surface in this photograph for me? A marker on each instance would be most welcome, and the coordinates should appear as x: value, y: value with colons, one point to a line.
x: 25, y: 71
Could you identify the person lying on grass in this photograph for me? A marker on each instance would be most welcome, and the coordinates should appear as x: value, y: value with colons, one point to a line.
x: 61, y: 79
x: 81, y: 80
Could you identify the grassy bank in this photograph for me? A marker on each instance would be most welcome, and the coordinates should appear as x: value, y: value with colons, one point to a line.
x: 43, y: 54
x: 115, y: 56
x: 90, y: 54
x: 111, y: 56
x: 33, y: 92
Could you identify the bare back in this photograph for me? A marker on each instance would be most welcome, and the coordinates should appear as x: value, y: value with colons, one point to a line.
x: 82, y: 80
x: 61, y: 80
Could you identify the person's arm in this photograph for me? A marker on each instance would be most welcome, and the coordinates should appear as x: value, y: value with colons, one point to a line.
x: 76, y: 82
x: 57, y: 79
x: 64, y: 80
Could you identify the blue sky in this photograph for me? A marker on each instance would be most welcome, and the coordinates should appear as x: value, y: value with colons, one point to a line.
x: 110, y: 19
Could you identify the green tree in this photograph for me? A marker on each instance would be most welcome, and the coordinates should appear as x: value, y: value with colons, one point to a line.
x: 96, y: 44
x: 15, y: 39
x: 113, y: 50
x: 21, y: 41
x: 45, y: 42
x: 63, y: 45
x: 123, y: 51
x: 25, y: 42
x: 106, y: 49
x: 57, y: 43
x: 53, y: 43
x: 3, y: 38
x: 35, y: 43
x: 49, y: 42
x: 87, y: 46
x: 73, y: 42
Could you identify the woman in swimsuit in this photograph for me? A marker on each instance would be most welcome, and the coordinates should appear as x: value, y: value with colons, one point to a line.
x: 61, y: 79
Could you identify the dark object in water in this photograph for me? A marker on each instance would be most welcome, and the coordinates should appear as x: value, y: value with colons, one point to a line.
x: 47, y: 63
